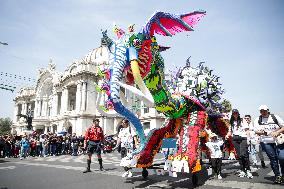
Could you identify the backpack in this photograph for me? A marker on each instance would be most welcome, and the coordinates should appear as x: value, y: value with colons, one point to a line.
x: 273, y: 117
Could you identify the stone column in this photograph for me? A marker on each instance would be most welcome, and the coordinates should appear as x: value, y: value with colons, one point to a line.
x: 64, y: 100
x: 44, y: 107
x: 45, y: 129
x: 24, y: 107
x: 40, y: 107
x: 36, y: 108
x: 15, y: 112
x: 84, y: 96
x: 78, y: 97
x: 54, y: 104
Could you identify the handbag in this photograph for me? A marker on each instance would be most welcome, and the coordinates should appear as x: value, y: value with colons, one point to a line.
x: 280, y: 139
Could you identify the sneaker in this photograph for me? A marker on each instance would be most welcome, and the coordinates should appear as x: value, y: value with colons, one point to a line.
x: 21, y: 158
x: 242, y: 174
x: 278, y: 180
x: 129, y: 174
x: 125, y: 174
x: 219, y: 177
x: 249, y: 175
x: 238, y: 172
x: 87, y: 170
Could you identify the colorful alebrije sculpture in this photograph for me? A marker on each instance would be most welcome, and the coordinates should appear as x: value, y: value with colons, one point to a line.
x: 135, y: 58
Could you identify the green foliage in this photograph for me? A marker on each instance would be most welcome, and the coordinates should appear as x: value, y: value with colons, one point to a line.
x: 227, y: 106
x: 5, y: 125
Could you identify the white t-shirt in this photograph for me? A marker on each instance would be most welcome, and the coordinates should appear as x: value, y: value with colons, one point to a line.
x: 268, y: 125
x: 126, y: 137
x: 240, y: 130
x: 253, y: 137
x: 215, y: 148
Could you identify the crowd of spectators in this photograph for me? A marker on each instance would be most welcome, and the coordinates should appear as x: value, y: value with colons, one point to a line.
x: 40, y: 145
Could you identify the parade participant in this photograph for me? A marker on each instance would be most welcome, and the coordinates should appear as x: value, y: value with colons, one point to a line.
x: 24, y: 147
x: 93, y: 140
x: 268, y: 127
x: 127, y: 139
x: 254, y: 146
x: 216, y: 154
x: 239, y: 133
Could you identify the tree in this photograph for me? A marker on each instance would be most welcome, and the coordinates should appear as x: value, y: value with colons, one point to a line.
x: 5, y: 125
x: 227, y: 106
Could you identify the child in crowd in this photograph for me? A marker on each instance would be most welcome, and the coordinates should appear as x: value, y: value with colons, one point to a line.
x: 214, y: 145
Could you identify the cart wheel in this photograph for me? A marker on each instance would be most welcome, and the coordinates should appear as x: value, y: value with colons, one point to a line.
x: 145, y: 173
x: 194, y: 179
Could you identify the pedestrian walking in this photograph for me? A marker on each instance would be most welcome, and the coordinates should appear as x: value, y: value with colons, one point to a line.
x: 254, y: 143
x: 127, y: 139
x: 94, y: 138
x: 216, y: 154
x: 239, y: 133
x: 268, y: 126
x: 24, y: 147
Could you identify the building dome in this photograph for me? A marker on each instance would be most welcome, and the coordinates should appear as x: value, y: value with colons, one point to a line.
x: 98, y: 55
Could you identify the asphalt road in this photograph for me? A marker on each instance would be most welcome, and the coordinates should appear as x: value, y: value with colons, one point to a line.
x: 65, y: 172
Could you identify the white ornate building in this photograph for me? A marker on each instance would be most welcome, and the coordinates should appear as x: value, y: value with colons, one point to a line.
x: 67, y: 101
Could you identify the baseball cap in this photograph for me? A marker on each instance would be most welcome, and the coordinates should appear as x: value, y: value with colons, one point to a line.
x: 263, y: 107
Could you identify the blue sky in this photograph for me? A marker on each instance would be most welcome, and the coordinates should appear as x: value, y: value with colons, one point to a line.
x: 241, y: 40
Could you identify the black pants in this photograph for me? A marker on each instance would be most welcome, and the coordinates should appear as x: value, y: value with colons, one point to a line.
x: 123, y: 152
x: 216, y: 165
x: 241, y: 146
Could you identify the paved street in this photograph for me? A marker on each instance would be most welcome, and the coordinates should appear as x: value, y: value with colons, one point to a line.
x: 66, y: 172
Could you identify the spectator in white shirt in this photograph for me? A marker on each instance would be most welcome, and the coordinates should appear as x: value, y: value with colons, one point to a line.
x: 268, y: 127
x: 127, y: 139
x: 239, y: 133
x: 216, y: 154
x: 254, y: 146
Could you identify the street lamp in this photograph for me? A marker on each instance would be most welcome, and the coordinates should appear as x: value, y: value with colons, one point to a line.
x: 2, y: 43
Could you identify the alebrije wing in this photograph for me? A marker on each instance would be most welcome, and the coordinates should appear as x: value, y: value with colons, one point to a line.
x: 169, y: 24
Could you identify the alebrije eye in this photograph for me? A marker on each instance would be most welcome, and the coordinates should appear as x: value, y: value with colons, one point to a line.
x: 137, y: 43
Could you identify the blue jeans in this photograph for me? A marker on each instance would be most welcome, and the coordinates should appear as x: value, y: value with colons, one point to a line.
x: 280, y: 151
x: 276, y: 156
x: 52, y: 149
x: 24, y: 152
x: 255, y: 149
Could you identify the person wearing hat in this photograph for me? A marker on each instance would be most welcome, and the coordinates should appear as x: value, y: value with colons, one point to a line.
x: 216, y: 154
x: 94, y: 137
x: 268, y: 127
x: 239, y: 133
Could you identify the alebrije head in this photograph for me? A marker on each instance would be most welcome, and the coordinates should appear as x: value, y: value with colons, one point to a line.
x: 118, y: 31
